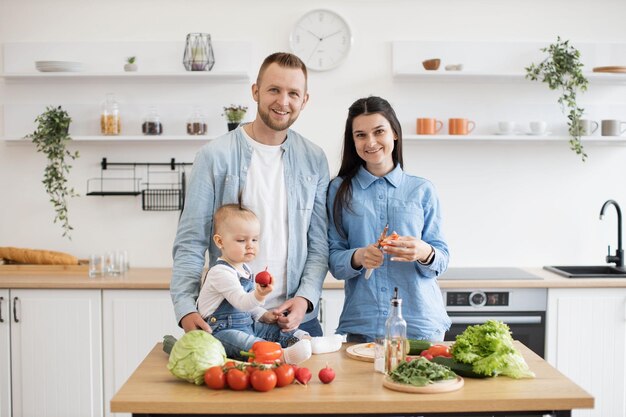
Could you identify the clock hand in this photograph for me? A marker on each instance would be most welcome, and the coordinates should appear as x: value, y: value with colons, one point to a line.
x: 332, y: 34
x: 314, y: 34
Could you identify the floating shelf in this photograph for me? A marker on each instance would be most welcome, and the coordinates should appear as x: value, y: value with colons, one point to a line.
x: 588, y: 140
x: 126, y: 139
x: 134, y: 76
x: 503, y: 77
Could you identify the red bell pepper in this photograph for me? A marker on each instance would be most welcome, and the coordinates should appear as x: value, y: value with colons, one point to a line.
x: 264, y: 352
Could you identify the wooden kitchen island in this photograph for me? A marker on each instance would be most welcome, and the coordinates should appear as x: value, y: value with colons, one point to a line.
x: 357, y: 390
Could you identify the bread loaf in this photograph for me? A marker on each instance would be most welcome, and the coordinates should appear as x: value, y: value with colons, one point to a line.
x: 36, y: 256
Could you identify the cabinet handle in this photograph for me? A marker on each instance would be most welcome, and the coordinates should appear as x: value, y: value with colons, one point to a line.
x: 321, y: 313
x: 1, y: 300
x: 15, y: 300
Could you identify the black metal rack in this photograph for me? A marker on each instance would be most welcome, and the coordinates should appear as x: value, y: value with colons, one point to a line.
x: 166, y: 195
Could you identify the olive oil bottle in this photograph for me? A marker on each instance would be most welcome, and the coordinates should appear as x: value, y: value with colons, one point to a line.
x: 395, y: 335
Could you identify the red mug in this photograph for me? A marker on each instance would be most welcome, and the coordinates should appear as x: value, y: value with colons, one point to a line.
x: 460, y: 126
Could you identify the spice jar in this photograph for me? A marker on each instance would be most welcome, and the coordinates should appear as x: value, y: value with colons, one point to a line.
x: 196, y: 124
x: 110, y: 123
x: 152, y: 123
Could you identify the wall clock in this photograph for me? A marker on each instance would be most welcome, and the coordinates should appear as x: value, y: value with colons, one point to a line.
x: 322, y: 39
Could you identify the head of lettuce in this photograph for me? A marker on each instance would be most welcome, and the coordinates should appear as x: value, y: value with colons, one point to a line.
x: 193, y: 354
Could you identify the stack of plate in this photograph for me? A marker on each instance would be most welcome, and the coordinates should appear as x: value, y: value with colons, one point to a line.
x: 58, y: 66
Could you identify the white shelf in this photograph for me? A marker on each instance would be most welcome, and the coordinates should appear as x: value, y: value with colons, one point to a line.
x: 586, y: 140
x: 135, y: 76
x: 503, y: 77
x: 148, y: 139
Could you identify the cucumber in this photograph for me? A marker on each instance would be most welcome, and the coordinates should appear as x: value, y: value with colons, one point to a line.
x: 416, y: 346
x: 168, y: 343
x: 458, y: 368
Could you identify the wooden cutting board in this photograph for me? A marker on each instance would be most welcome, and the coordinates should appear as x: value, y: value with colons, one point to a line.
x: 81, y: 268
x: 438, y: 387
x: 362, y: 352
x: 613, y: 69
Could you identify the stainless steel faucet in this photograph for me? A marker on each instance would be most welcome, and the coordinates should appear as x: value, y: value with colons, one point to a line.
x: 618, y: 258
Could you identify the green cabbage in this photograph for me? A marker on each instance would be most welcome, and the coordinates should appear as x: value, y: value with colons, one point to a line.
x: 193, y: 354
x: 489, y: 349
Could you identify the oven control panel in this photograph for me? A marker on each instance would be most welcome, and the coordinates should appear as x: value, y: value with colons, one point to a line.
x: 477, y: 299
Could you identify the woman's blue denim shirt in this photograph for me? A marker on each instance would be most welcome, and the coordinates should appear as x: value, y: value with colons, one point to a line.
x: 411, y: 208
x: 219, y: 174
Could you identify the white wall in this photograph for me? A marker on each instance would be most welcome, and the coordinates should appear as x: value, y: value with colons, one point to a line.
x: 504, y: 204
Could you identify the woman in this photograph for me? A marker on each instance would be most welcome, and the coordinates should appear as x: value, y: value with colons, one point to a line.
x: 371, y: 191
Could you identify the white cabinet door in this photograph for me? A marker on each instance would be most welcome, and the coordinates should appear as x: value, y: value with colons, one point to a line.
x: 134, y: 321
x: 331, y: 305
x: 586, y: 340
x: 56, y: 353
x: 5, y: 355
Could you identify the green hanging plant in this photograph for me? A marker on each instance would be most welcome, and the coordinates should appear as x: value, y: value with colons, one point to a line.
x: 562, y: 70
x: 51, y: 137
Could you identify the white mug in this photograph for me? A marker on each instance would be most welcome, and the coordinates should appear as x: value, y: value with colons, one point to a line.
x: 588, y: 127
x: 538, y: 128
x: 506, y: 127
x: 613, y: 127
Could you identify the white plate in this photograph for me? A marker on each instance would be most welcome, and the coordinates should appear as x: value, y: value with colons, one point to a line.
x: 58, y: 66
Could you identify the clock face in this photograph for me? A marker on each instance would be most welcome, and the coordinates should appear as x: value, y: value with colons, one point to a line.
x: 321, y: 39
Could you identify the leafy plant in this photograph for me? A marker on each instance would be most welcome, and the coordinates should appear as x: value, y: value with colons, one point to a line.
x: 131, y: 59
x: 562, y: 70
x: 235, y: 114
x: 51, y: 138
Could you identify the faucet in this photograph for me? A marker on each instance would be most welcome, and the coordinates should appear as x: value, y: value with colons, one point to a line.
x: 618, y: 258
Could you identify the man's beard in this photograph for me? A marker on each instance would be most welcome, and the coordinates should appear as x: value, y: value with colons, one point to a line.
x: 272, y: 124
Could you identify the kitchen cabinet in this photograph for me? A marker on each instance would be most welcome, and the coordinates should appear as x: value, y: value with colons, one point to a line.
x: 161, y: 82
x: 586, y: 340
x: 133, y: 321
x: 50, y: 340
x: 331, y: 305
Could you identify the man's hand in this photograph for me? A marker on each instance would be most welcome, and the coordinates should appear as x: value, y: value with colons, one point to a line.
x: 295, y: 309
x: 194, y: 321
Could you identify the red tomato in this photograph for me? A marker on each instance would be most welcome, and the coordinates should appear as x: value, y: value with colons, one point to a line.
x: 228, y: 365
x: 215, y: 378
x: 237, y: 379
x: 263, y: 380
x: 284, y: 375
x: 439, y: 350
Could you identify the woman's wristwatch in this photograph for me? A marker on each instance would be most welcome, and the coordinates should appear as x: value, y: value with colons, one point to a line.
x: 430, y: 258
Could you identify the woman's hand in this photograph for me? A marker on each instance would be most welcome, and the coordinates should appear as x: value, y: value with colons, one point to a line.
x: 369, y: 257
x: 407, y: 249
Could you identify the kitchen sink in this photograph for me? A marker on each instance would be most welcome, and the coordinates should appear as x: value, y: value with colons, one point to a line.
x: 594, y: 271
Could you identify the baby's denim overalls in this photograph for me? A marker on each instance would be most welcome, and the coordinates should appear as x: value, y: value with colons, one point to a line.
x: 237, y: 330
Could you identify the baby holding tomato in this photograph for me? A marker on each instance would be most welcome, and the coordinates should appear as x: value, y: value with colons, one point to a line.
x: 231, y: 302
x: 371, y: 191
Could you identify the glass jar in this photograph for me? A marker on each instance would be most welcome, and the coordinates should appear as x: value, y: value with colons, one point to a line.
x: 196, y: 124
x: 110, y: 123
x: 395, y: 335
x: 152, y: 123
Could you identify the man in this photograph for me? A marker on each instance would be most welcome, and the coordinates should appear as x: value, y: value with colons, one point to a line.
x: 283, y: 178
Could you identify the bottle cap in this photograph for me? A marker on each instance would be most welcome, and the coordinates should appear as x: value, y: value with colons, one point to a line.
x: 395, y: 301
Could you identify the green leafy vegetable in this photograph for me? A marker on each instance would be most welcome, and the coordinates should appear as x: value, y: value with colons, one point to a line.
x: 420, y: 372
x: 193, y: 354
x: 489, y: 349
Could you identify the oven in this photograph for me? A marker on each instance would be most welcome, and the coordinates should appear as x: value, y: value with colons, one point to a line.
x: 522, y: 309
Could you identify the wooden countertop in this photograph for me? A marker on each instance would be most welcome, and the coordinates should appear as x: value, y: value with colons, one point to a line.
x: 356, y: 389
x: 159, y: 278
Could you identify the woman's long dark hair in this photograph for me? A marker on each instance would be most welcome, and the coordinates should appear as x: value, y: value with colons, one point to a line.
x: 351, y: 161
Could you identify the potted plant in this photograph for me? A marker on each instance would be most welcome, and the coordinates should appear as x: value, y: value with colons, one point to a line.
x: 130, y: 65
x: 562, y: 70
x: 51, y: 137
x: 234, y: 115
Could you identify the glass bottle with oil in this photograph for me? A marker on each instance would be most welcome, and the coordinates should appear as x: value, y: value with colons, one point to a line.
x: 395, y: 335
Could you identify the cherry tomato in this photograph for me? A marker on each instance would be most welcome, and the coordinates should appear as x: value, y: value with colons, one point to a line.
x: 228, y: 365
x: 215, y: 378
x: 263, y: 380
x: 284, y: 375
x: 250, y: 369
x: 237, y: 379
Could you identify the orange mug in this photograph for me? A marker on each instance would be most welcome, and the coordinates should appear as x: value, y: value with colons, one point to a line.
x: 460, y: 126
x: 428, y: 126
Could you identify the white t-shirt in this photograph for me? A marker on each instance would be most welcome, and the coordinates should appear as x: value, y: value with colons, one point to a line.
x: 222, y: 282
x: 265, y: 194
